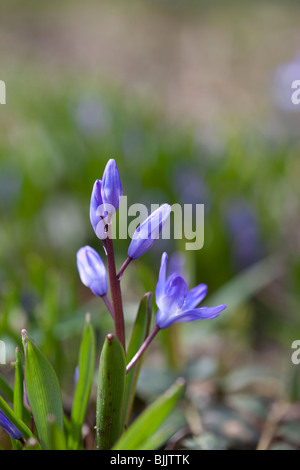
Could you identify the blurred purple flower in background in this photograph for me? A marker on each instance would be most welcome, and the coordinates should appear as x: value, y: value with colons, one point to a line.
x: 176, y: 303
x: 177, y: 264
x: 10, y: 187
x: 283, y: 78
x: 76, y: 375
x: 244, y: 233
x: 92, y: 116
x: 9, y: 427
x: 92, y: 271
x: 191, y: 187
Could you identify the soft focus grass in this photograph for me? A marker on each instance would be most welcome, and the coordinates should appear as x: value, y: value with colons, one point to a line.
x: 56, y: 135
x: 57, y: 143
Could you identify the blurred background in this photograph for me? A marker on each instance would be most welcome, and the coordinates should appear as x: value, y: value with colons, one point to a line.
x: 193, y: 101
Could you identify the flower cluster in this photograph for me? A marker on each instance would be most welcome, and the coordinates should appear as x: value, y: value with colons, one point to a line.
x: 105, y: 201
x: 174, y: 301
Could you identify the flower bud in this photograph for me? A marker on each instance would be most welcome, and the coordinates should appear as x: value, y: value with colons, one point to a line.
x: 9, y: 427
x: 105, y: 199
x: 148, y: 232
x: 92, y: 271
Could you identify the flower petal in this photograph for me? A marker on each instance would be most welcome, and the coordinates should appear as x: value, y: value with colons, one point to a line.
x: 9, y: 427
x: 96, y: 202
x: 111, y: 187
x: 195, y: 296
x: 160, y: 286
x: 92, y: 271
x: 170, y: 303
x: 162, y: 320
x: 202, y: 313
x: 148, y: 232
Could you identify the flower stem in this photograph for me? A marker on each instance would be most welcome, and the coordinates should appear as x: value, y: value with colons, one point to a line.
x: 142, y: 348
x: 116, y: 295
x: 108, y: 305
x: 123, y: 267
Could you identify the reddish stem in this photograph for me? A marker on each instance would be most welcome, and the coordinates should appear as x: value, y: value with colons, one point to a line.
x: 115, y: 288
x: 142, y: 349
x: 123, y: 267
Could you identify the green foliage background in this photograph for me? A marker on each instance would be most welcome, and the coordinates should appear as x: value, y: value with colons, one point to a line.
x: 65, y: 117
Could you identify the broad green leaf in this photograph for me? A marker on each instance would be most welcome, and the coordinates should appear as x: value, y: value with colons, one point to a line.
x: 83, y: 387
x: 150, y: 419
x: 16, y: 445
x: 168, y: 428
x: 18, y: 386
x: 8, y: 394
x: 11, y: 415
x: 56, y: 435
x: 139, y: 333
x: 6, y: 390
x: 112, y: 370
x: 42, y: 389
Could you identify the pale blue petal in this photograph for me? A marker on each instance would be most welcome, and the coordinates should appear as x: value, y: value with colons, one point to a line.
x: 195, y: 296
x: 160, y: 287
x: 148, y: 232
x: 92, y: 271
x: 201, y: 313
x: 111, y: 186
x: 96, y: 202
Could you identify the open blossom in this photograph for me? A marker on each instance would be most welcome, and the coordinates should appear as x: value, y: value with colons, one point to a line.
x: 105, y: 199
x: 148, y: 232
x: 178, y: 304
x: 9, y: 427
x: 92, y: 271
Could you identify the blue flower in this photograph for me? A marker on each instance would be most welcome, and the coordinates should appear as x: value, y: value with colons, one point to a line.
x: 176, y: 303
x: 283, y: 80
x: 105, y: 199
x: 92, y: 271
x: 148, y: 232
x: 76, y: 376
x: 9, y: 427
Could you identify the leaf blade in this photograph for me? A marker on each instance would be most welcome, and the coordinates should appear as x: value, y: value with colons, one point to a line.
x: 11, y: 415
x: 42, y: 389
x: 150, y: 419
x: 18, y: 385
x: 139, y: 333
x: 83, y: 387
x: 112, y: 371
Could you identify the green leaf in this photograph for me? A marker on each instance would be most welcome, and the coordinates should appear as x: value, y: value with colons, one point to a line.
x: 8, y: 394
x: 83, y: 388
x: 42, y: 389
x: 11, y: 415
x: 6, y: 389
x: 151, y: 419
x: 139, y: 334
x: 112, y: 370
x: 18, y: 386
x: 56, y: 435
x: 168, y: 428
